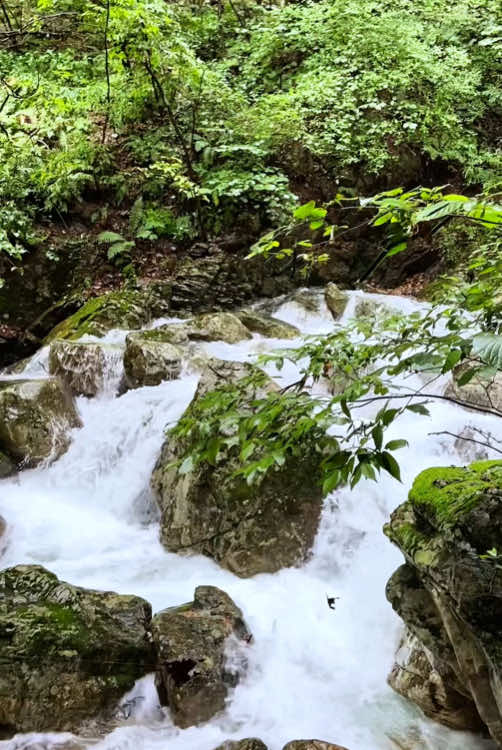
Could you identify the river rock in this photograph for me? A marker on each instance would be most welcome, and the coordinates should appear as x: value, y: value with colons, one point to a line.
x: 449, y: 592
x: 248, y: 529
x: 250, y: 743
x: 7, y: 466
x: 435, y: 690
x: 478, y: 391
x: 35, y: 419
x: 3, y: 535
x: 82, y: 366
x: 336, y: 300
x: 148, y: 361
x: 193, y: 677
x: 222, y: 327
x: 67, y: 653
x: 267, y: 326
x: 311, y: 745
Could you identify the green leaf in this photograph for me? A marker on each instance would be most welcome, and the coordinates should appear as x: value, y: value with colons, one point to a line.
x: 395, y: 445
x: 418, y: 409
x: 187, y: 466
x: 390, y: 465
x: 395, y: 249
x: 488, y: 347
x: 451, y: 360
x: 377, y: 435
x: 109, y: 237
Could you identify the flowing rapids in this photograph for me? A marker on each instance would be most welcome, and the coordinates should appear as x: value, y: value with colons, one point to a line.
x: 313, y: 671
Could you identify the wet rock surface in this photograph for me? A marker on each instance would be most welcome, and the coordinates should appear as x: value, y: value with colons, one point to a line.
x: 248, y: 529
x: 336, y: 300
x: 148, y: 361
x: 311, y: 745
x: 267, y: 325
x: 249, y: 743
x: 193, y: 677
x: 36, y: 417
x: 67, y: 653
x: 82, y: 366
x: 449, y: 592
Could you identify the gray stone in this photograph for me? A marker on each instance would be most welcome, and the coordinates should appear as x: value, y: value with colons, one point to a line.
x: 35, y: 419
x: 336, y: 300
x: 193, y: 677
x: 311, y: 745
x: 82, y: 366
x: 268, y: 326
x: 449, y: 592
x: 248, y: 529
x: 250, y: 743
x: 67, y: 653
x: 148, y: 361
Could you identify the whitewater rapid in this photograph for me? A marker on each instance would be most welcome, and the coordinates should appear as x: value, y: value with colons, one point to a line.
x: 313, y: 671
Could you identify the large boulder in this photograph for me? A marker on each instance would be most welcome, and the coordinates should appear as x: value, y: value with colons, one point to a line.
x: 336, y: 300
x: 432, y: 685
x: 222, y: 327
x: 124, y: 309
x: 449, y: 592
x: 35, y: 419
x: 248, y: 529
x: 82, y: 366
x: 267, y: 326
x: 193, y: 676
x: 149, y: 361
x: 67, y: 653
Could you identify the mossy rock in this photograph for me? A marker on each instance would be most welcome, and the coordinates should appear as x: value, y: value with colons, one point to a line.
x: 67, y: 653
x: 36, y: 417
x: 222, y: 327
x: 267, y: 326
x: 336, y: 300
x: 7, y: 466
x: 126, y: 309
x: 248, y: 529
x: 193, y: 676
x: 149, y: 362
x: 82, y: 366
x: 449, y: 593
x: 311, y: 745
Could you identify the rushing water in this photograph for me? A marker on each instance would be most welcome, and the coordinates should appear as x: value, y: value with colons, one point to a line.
x: 313, y: 671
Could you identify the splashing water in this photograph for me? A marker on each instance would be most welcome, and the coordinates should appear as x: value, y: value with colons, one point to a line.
x: 313, y: 671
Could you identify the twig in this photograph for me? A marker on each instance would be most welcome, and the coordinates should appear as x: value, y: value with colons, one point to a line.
x: 467, y: 439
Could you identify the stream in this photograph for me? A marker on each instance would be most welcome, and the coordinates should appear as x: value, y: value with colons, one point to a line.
x: 313, y: 671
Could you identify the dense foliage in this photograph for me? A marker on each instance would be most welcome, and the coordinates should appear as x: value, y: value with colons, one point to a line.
x: 196, y: 117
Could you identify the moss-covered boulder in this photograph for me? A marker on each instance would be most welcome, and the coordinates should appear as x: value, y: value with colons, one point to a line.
x: 148, y: 361
x: 449, y: 592
x: 67, y: 653
x: 249, y: 743
x: 82, y: 366
x: 267, y: 326
x: 193, y: 677
x: 125, y: 309
x: 336, y: 300
x: 248, y: 529
x: 36, y: 417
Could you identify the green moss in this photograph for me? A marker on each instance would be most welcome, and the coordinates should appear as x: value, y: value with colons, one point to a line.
x: 445, y: 494
x: 78, y: 324
x: 123, y: 309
